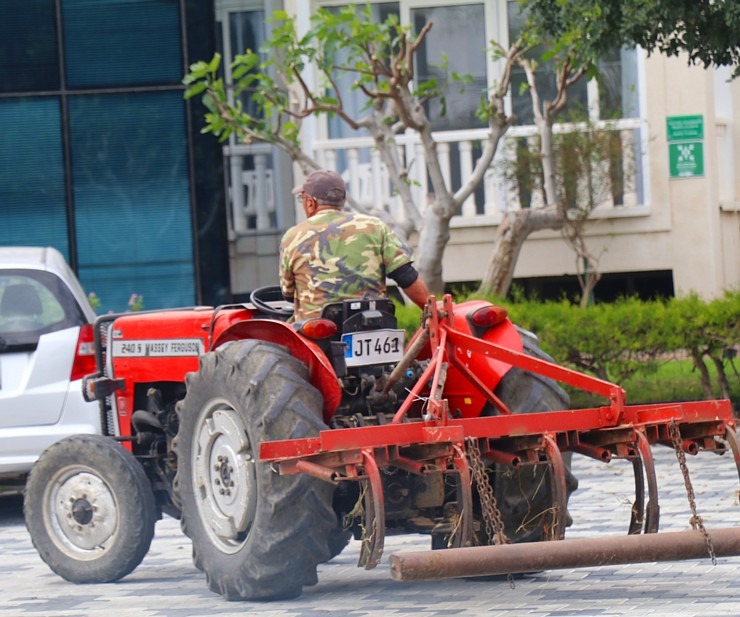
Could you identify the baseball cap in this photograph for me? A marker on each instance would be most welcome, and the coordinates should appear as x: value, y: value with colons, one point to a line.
x: 327, y: 187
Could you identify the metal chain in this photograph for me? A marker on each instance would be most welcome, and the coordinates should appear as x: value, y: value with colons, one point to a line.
x: 696, y: 520
x: 492, y: 518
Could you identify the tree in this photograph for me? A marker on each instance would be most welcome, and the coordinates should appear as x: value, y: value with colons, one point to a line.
x: 571, y: 54
x: 517, y: 225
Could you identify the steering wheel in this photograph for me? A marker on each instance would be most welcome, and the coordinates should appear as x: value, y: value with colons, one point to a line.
x: 270, y: 293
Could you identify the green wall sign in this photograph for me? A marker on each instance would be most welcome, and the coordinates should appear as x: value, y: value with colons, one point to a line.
x: 680, y: 128
x: 686, y: 159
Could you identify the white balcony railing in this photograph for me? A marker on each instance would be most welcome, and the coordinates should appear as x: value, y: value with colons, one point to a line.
x: 368, y: 182
x: 619, y: 178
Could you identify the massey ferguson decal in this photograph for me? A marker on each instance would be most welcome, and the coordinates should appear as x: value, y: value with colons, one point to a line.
x: 158, y: 348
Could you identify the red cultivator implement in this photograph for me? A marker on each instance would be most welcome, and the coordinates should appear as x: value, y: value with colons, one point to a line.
x: 440, y: 441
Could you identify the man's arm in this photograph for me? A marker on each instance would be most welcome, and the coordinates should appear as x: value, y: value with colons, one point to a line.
x: 417, y: 292
x: 397, y: 259
x: 409, y: 279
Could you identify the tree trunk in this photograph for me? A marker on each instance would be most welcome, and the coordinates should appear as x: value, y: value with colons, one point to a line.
x: 724, y: 385
x: 706, y: 383
x: 510, y: 236
x: 547, y: 160
x: 433, y: 237
x: 587, y: 287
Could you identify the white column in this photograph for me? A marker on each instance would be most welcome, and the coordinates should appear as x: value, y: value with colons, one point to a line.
x: 239, y: 218
x: 260, y: 191
x: 376, y: 173
x: 353, y: 158
x: 466, y: 170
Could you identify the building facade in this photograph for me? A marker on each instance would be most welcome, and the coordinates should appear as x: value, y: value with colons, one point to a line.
x: 667, y: 219
x: 103, y: 158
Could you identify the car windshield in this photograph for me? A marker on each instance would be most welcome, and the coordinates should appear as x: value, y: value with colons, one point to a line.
x: 33, y: 303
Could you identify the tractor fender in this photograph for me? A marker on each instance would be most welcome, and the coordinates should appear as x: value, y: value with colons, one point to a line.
x: 321, y: 373
x: 505, y: 333
x: 464, y: 400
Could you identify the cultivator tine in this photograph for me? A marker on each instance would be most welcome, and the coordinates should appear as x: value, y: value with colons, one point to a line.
x: 637, y: 518
x: 463, y: 529
x: 559, y: 490
x: 373, y: 537
x: 652, y: 513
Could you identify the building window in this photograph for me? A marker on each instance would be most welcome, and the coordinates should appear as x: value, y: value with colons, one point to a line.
x: 354, y: 100
x: 29, y: 46
x: 122, y: 42
x: 246, y: 31
x: 457, y: 40
x: 254, y: 170
x: 612, y: 95
x: 131, y: 197
x: 460, y: 35
x: 33, y: 207
x: 94, y: 149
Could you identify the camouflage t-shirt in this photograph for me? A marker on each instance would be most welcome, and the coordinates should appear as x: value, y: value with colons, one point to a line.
x: 336, y: 255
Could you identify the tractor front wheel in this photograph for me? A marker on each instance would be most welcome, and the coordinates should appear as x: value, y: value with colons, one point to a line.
x: 256, y: 534
x: 89, y: 509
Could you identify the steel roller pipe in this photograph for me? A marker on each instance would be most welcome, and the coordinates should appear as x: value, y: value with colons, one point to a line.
x: 554, y: 555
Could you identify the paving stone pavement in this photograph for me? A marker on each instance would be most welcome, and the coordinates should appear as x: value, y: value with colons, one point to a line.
x: 166, y: 584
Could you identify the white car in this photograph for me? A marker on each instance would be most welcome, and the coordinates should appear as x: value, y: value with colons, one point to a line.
x: 46, y: 347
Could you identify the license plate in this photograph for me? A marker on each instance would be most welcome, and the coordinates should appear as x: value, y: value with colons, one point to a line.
x: 374, y: 347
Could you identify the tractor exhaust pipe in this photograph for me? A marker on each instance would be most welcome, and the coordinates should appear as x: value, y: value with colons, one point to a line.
x: 554, y: 555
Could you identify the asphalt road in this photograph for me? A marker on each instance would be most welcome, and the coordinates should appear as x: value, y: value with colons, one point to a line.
x: 167, y: 585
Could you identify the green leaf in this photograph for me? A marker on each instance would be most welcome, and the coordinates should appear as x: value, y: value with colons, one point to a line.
x: 443, y: 106
x: 209, y: 103
x: 195, y: 90
x: 214, y: 63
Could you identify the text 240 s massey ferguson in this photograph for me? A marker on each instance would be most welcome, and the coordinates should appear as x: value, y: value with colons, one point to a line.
x: 275, y: 442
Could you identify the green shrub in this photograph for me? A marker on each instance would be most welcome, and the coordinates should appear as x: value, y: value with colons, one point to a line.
x: 409, y: 318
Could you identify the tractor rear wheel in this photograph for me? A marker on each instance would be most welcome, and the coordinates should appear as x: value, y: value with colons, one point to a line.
x: 524, y: 495
x: 89, y: 509
x: 256, y: 534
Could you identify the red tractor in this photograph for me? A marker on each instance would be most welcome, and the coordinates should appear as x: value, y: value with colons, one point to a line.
x: 275, y: 442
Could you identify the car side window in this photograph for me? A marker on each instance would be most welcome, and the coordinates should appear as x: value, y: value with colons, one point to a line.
x: 33, y: 303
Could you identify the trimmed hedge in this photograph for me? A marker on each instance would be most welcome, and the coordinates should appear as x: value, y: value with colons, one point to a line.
x: 632, y: 337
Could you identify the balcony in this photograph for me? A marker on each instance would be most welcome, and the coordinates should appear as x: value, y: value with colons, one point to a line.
x: 619, y: 177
